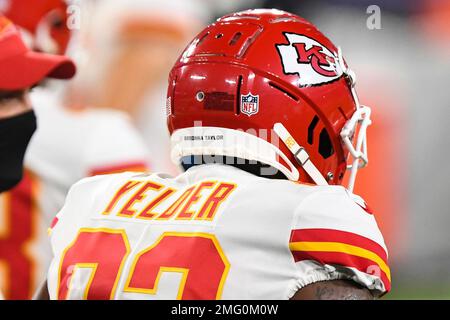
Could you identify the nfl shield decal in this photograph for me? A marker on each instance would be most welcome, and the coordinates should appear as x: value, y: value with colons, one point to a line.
x: 249, y: 104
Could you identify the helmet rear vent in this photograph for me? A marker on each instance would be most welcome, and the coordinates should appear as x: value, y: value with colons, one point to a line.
x: 248, y: 42
x: 202, y: 37
x: 284, y: 90
x: 224, y: 39
x: 235, y: 38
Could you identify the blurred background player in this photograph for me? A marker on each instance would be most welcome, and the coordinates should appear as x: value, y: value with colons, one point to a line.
x: 125, y: 65
x: 20, y: 69
x: 43, y: 23
x: 69, y: 145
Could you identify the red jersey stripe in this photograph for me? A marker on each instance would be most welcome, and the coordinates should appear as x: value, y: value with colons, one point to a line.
x: 331, y: 235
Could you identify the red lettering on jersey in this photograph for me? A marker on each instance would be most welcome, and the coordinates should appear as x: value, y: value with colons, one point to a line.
x: 173, y: 209
x: 147, y: 213
x: 198, y: 257
x: 184, y: 212
x: 127, y: 210
x: 124, y: 189
x: 104, y: 252
x: 220, y: 193
x: 179, y: 208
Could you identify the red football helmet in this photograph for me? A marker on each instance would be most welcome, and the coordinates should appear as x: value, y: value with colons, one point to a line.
x: 258, y: 76
x: 43, y: 22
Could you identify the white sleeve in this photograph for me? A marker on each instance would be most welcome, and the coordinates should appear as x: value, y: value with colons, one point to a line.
x: 67, y: 223
x: 115, y: 145
x: 335, y: 237
x: 78, y: 208
x: 69, y: 217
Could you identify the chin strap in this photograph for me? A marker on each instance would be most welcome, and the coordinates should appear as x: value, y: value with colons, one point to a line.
x: 300, y: 154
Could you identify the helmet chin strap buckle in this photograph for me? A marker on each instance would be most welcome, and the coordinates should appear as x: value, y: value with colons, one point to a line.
x: 300, y: 154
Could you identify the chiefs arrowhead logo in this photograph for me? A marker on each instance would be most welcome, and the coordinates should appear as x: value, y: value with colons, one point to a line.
x: 309, y: 59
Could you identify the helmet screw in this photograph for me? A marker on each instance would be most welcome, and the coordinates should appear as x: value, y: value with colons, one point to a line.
x: 200, y: 96
x: 330, y: 176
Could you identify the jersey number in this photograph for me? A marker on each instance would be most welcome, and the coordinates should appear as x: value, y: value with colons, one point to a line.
x: 103, y: 253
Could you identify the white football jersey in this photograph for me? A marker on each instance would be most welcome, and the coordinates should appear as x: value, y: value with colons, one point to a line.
x: 213, y: 232
x: 67, y: 146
